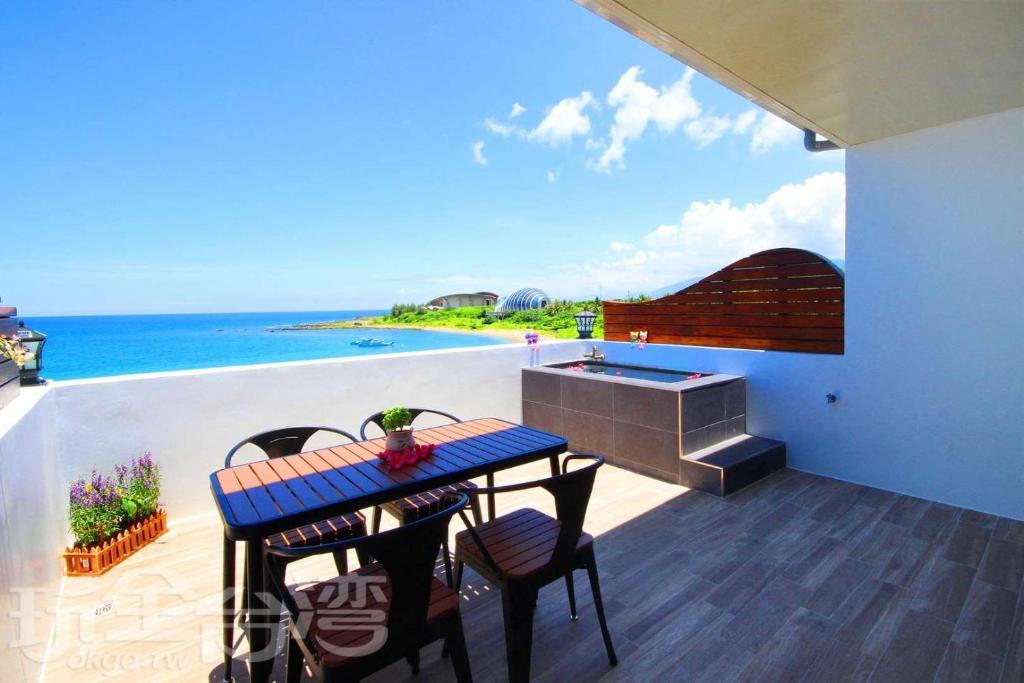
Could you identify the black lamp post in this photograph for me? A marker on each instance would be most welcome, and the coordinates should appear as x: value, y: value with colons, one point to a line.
x: 34, y: 342
x: 585, y: 324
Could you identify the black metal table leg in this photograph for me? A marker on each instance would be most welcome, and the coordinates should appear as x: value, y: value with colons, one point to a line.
x: 490, y: 497
x: 261, y: 664
x: 554, y: 465
x: 228, y: 615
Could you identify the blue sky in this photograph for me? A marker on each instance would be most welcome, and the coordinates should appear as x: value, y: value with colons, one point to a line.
x: 189, y: 157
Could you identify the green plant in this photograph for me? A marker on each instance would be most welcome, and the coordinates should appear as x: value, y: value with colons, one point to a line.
x: 398, y: 310
x: 139, y: 486
x: 102, y: 506
x: 95, y: 511
x: 396, y: 418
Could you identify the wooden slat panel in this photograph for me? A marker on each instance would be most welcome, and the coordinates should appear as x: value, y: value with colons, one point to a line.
x: 768, y: 284
x: 802, y: 270
x: 799, y: 295
x: 780, y: 257
x: 642, y: 312
x: 778, y: 300
x: 338, y: 481
x: 353, y: 474
x: 622, y: 323
x: 258, y: 496
x: 282, y: 493
x: 267, y: 497
x: 822, y: 333
x: 236, y: 498
x: 755, y: 344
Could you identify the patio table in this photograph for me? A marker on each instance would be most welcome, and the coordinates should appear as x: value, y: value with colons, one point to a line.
x: 261, y: 498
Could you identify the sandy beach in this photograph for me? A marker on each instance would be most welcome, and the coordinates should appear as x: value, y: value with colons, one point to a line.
x: 512, y: 335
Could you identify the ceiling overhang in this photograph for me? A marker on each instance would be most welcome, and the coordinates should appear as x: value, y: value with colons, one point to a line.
x: 853, y: 71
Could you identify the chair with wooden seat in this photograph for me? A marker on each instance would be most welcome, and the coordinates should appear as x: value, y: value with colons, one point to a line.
x: 522, y: 551
x: 349, y: 627
x: 278, y: 443
x: 419, y: 505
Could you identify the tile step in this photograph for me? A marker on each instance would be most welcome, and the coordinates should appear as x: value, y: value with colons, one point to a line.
x: 728, y: 466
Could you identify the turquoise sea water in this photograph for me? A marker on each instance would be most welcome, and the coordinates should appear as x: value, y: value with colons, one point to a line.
x: 97, y: 346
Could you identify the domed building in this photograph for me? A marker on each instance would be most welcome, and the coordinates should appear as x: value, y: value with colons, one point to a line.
x: 522, y: 300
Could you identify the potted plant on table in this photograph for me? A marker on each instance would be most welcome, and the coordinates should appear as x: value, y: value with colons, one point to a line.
x: 397, y: 423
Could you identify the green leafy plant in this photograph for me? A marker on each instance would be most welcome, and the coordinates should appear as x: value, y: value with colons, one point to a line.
x: 103, y: 506
x: 396, y: 418
x: 139, y: 486
x: 95, y: 512
x: 398, y: 310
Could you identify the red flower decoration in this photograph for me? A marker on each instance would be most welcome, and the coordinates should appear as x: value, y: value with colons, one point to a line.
x: 410, y: 456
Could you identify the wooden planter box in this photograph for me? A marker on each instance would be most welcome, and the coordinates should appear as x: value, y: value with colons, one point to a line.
x: 96, y: 560
x: 10, y: 381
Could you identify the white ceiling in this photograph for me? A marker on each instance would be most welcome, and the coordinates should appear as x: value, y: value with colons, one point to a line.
x: 853, y: 70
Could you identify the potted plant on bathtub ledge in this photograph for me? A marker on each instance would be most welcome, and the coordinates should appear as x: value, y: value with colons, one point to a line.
x: 397, y: 424
x: 112, y: 517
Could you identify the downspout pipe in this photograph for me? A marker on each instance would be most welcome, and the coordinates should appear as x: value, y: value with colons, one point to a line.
x: 813, y: 144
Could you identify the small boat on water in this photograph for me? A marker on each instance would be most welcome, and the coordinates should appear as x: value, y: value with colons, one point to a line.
x: 367, y: 341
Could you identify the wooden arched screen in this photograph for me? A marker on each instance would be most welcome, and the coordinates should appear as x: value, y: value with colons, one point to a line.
x: 779, y: 300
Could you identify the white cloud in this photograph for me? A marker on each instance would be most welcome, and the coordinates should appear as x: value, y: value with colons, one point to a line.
x: 636, y: 105
x: 744, y: 121
x: 707, y: 129
x: 552, y: 176
x: 771, y: 131
x: 711, y: 234
x: 478, y: 153
x: 502, y: 129
x: 564, y: 121
x: 517, y: 109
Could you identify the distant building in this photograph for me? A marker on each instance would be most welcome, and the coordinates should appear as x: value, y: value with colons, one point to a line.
x: 522, y: 300
x: 460, y: 300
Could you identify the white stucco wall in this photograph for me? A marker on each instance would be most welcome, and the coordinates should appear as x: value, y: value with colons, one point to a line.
x: 31, y: 532
x: 785, y: 391
x: 935, y: 323
x: 53, y: 435
x: 932, y: 382
x: 190, y: 419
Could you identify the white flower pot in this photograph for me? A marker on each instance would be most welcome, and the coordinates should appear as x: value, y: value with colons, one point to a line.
x: 400, y: 440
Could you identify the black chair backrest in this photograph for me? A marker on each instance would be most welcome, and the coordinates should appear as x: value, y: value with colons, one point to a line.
x: 378, y: 419
x: 278, y: 443
x: 571, y: 491
x: 408, y: 555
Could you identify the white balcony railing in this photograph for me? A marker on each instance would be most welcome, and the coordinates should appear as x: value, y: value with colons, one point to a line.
x: 52, y: 435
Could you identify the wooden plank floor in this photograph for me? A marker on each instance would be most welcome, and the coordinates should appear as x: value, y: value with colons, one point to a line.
x: 799, y: 578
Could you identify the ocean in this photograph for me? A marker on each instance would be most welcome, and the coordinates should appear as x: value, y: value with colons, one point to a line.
x: 98, y: 346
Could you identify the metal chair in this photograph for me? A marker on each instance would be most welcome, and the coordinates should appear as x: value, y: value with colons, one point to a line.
x: 278, y: 443
x: 525, y: 550
x: 397, y: 607
x: 419, y: 505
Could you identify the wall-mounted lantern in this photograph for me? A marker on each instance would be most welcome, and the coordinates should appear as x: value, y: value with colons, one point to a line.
x: 585, y: 324
x: 34, y: 342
